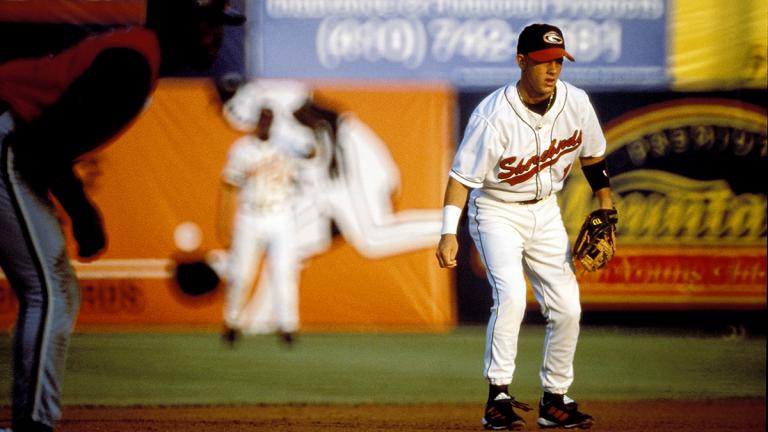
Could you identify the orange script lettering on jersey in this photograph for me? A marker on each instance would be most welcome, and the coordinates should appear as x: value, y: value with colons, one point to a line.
x: 525, y: 169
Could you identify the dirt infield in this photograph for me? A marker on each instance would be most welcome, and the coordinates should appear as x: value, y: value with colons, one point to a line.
x: 674, y: 416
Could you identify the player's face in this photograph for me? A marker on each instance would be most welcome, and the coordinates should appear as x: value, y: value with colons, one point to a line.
x: 539, y: 78
x: 265, y: 123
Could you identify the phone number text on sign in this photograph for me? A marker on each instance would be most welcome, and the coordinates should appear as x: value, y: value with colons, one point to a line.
x: 408, y: 41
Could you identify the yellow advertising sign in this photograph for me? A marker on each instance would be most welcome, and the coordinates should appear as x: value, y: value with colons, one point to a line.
x: 692, y: 209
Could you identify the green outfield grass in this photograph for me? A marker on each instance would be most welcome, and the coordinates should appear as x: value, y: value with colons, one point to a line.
x: 195, y: 368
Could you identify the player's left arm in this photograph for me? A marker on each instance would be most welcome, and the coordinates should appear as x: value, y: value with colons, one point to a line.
x: 595, y: 244
x: 595, y: 171
x: 593, y: 163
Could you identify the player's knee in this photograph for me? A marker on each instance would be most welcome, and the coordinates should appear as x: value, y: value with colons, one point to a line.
x: 567, y: 315
x: 511, y: 305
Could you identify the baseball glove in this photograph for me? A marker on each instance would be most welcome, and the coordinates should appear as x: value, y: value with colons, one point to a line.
x: 596, y: 242
x: 195, y: 278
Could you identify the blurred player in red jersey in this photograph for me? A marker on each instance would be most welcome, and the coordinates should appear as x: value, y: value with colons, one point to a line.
x: 58, y: 102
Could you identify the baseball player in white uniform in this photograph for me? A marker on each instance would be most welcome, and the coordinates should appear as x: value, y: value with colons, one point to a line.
x: 260, y: 180
x: 286, y: 97
x: 519, y: 145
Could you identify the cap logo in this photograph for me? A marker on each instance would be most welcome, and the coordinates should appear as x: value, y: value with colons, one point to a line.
x: 553, y: 38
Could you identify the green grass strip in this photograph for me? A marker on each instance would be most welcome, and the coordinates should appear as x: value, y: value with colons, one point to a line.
x: 347, y: 368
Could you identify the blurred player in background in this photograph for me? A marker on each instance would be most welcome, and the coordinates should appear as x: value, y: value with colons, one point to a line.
x: 61, y: 98
x: 519, y: 145
x: 258, y: 209
x: 348, y: 183
x: 352, y: 180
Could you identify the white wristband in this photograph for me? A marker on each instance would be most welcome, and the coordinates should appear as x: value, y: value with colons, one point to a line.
x: 451, y: 215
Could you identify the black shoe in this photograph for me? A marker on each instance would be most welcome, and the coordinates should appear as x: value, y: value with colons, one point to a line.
x: 230, y: 336
x: 287, y: 338
x: 560, y: 411
x: 29, y: 426
x: 500, y: 415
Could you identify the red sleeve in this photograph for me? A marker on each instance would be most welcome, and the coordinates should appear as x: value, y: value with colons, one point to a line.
x: 30, y: 85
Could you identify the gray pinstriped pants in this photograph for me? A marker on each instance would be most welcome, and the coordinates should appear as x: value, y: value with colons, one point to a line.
x: 33, y: 257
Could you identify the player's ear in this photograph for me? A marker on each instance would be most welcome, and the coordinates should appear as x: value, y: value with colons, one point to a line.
x: 521, y: 61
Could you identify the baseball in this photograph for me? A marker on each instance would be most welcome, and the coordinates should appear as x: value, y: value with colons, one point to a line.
x: 187, y: 236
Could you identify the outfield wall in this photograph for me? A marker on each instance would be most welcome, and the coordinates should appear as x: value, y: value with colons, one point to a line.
x: 166, y: 171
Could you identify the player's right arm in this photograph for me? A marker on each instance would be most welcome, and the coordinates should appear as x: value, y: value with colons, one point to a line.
x: 453, y: 204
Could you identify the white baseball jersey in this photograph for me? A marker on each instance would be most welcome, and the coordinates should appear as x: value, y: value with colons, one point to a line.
x: 263, y: 172
x: 513, y: 154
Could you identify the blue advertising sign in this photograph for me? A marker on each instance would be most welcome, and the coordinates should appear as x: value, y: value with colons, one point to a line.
x: 470, y: 43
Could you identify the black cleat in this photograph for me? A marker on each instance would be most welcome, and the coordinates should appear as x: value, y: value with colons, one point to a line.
x: 230, y: 336
x: 287, y: 338
x: 500, y: 415
x: 560, y: 411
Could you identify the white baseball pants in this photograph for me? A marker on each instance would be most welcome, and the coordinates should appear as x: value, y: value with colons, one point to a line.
x: 275, y: 304
x: 516, y: 241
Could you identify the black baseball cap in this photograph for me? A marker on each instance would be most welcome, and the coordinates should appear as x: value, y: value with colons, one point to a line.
x: 542, y: 42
